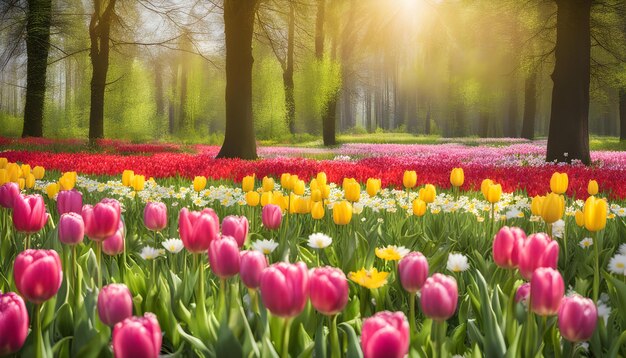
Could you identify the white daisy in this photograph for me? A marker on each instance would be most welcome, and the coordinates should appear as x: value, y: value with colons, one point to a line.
x: 457, y: 263
x: 151, y: 253
x: 604, y: 311
x: 558, y: 228
x: 173, y: 245
x: 319, y: 240
x: 584, y: 346
x: 586, y: 242
x: 265, y: 246
x: 622, y: 249
x: 514, y: 213
x: 617, y: 265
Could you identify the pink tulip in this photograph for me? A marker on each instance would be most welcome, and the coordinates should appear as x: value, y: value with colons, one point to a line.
x: 29, y: 213
x: 272, y: 216
x: 69, y: 201
x: 8, y: 193
x: 198, y: 228
x: 224, y: 257
x: 251, y: 267
x: 137, y: 337
x: 506, y: 245
x: 13, y: 323
x: 413, y: 271
x: 37, y: 274
x: 71, y: 228
x: 577, y: 318
x: 538, y: 250
x: 101, y: 220
x: 115, y: 304
x: 522, y: 293
x: 155, y: 216
x: 328, y: 290
x: 546, y: 291
x: 236, y: 227
x: 385, y: 334
x: 285, y: 288
x: 114, y: 244
x: 439, y: 297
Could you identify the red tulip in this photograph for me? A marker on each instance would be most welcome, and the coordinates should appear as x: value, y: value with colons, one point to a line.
x: 29, y: 213
x: 577, y: 318
x: 114, y: 244
x: 506, y: 245
x: 155, y: 216
x: 71, y: 228
x: 224, y: 257
x: 8, y: 193
x: 413, y: 271
x: 439, y: 297
x: 285, y: 288
x: 101, y: 220
x: 272, y: 216
x: 37, y: 274
x: 251, y: 267
x: 198, y: 228
x: 328, y: 290
x: 115, y: 304
x: 236, y: 227
x: 385, y: 334
x: 69, y: 201
x: 137, y: 337
x: 538, y: 250
x: 546, y: 291
x: 13, y: 323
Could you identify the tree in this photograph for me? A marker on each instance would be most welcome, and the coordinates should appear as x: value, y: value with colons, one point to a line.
x: 568, y: 137
x: 239, y: 139
x: 37, y: 46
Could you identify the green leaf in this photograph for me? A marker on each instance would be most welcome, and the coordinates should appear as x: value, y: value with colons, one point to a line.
x: 194, y: 342
x: 354, y: 348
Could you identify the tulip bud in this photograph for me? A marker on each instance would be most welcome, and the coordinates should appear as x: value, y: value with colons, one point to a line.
x: 67, y: 181
x: 25, y: 170
x: 595, y: 212
x: 3, y: 163
x: 580, y: 218
x: 272, y: 216
x: 235, y: 227
x: 71, y: 228
x: 69, y: 201
x: 298, y: 187
x: 536, y: 205
x: 577, y: 318
x: 494, y: 192
x: 321, y: 178
x: 484, y: 187
x: 8, y: 193
x: 39, y: 172
x: 522, y: 293
x: 29, y: 213
x: 251, y: 266
x: 559, y: 183
x: 139, y: 182
x: 13, y: 323
x: 342, y: 213
x: 372, y: 186
x: 409, y: 179
x: 538, y: 250
x: 267, y: 198
x: 4, y: 176
x: 317, y: 211
x: 247, y: 184
x: 37, y: 274
x: 155, y: 216
x: 114, y: 244
x: 506, y: 245
x: 115, y: 304
x: 419, y: 207
x: 285, y: 288
x: 285, y: 180
x: 413, y: 271
x: 385, y: 334
x: 137, y: 337
x: 30, y: 181
x: 328, y: 289
x: 439, y: 297
x: 268, y: 184
x: 198, y: 228
x: 592, y: 187
x: 325, y: 189
x: 53, y: 190
x: 352, y: 191
x: 252, y: 198
x: 199, y: 183
x: 428, y: 193
x: 127, y: 177
x: 101, y: 220
x: 546, y: 291
x: 316, y: 195
x: 457, y: 177
x: 553, y: 208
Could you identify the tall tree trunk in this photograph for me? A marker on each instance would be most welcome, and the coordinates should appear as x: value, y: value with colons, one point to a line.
x: 99, y: 33
x: 319, y: 29
x: 329, y: 118
x: 530, y: 106
x: 239, y: 139
x: 290, y: 102
x: 37, y: 46
x: 568, y: 137
x: 622, y: 114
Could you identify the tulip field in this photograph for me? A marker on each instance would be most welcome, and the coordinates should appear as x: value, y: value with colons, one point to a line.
x: 359, y: 251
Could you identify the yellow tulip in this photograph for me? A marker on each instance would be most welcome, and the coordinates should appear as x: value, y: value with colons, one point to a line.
x: 559, y: 183
x: 342, y: 213
x: 457, y: 177
x: 325, y: 189
x: 352, y: 192
x: 313, y: 185
x: 372, y: 186
x: 3, y: 163
x: 25, y: 170
x: 199, y: 183
x: 592, y: 187
x: 293, y: 180
x: 285, y: 179
x: 428, y: 193
x: 535, y: 205
x: 14, y: 172
x: 321, y: 178
x: 4, y: 176
x: 298, y: 187
x: 139, y: 182
x: 127, y: 177
x: 317, y: 210
x: 268, y: 184
x: 595, y: 211
x: 553, y: 208
x: 580, y: 218
x: 302, y: 205
x: 267, y: 198
x: 39, y: 172
x: 419, y: 207
x: 484, y: 187
x: 316, y: 195
x: 409, y: 179
x: 284, y: 204
x: 347, y: 181
x: 252, y: 198
x: 21, y: 182
x: 67, y: 181
x: 247, y: 183
x: 494, y: 192
x: 52, y: 190
x: 30, y: 181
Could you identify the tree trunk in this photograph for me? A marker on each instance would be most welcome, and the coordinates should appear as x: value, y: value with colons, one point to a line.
x: 329, y: 117
x: 290, y: 102
x: 622, y: 114
x: 183, y: 124
x: 99, y: 32
x: 568, y: 137
x: 530, y: 106
x: 319, y: 29
x: 37, y: 46
x: 239, y: 139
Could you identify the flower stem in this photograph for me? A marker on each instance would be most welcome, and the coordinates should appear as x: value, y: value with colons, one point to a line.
x: 99, y: 262
x: 27, y: 243
x: 596, y: 272
x: 285, y: 348
x: 412, y: 312
x: 334, y: 337
x: 39, y: 348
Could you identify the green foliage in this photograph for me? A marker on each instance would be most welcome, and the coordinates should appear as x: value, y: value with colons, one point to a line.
x: 11, y: 125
